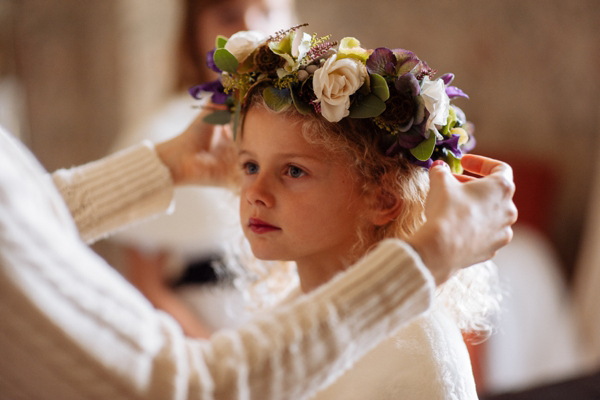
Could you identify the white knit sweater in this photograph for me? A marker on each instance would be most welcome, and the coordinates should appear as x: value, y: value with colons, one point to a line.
x: 73, y: 328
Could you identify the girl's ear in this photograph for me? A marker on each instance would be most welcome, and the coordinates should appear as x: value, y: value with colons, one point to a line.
x: 386, y: 207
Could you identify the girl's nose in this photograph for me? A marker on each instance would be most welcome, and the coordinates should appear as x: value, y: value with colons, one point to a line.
x: 259, y: 192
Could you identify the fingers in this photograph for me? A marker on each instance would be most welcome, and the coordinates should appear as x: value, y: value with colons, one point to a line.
x: 441, y: 181
x: 464, y: 178
x: 202, y: 131
x: 484, y: 166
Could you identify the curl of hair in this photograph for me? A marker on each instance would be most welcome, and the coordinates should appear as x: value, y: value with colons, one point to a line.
x: 472, y: 297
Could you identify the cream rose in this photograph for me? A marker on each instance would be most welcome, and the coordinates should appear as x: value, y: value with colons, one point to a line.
x: 436, y: 101
x: 242, y: 43
x: 333, y: 84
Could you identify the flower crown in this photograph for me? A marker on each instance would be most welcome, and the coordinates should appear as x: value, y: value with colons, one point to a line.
x: 392, y: 87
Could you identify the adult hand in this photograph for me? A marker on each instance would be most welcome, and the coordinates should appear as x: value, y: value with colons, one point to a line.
x: 203, y: 154
x: 468, y: 218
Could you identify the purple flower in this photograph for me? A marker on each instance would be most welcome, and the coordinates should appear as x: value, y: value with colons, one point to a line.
x: 451, y: 144
x: 408, y: 84
x: 406, y: 61
x: 425, y: 164
x: 453, y: 91
x: 411, y: 138
x: 382, y: 61
x: 215, y: 87
x: 397, y: 62
x: 210, y: 61
x: 447, y: 78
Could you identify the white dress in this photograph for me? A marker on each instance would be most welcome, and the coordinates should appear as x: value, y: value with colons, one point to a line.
x: 426, y: 360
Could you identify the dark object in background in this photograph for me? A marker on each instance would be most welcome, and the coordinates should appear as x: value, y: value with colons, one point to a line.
x: 582, y: 388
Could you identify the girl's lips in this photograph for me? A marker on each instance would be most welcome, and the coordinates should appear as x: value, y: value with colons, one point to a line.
x: 258, y: 226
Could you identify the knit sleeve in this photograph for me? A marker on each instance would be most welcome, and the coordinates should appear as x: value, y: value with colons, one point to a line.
x: 73, y: 328
x: 115, y: 191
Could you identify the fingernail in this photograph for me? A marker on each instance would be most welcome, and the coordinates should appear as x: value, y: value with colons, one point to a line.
x: 440, y: 163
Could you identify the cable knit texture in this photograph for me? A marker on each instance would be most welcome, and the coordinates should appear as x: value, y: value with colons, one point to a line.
x: 113, y: 192
x: 73, y: 328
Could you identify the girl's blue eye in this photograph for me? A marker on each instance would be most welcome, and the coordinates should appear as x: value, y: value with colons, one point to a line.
x: 250, y: 168
x: 295, y: 172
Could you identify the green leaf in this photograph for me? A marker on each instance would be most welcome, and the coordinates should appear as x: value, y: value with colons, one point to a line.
x: 225, y: 60
x: 277, y: 99
x: 219, y: 117
x: 364, y: 89
x: 454, y: 163
x: 284, y: 46
x: 425, y: 149
x: 303, y: 107
x: 221, y: 42
x: 379, y: 87
x: 368, y: 107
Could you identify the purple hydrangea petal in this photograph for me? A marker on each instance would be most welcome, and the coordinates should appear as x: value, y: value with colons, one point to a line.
x: 410, y: 139
x: 406, y: 126
x: 451, y: 144
x: 408, y: 83
x: 390, y: 68
x: 447, y: 78
x: 402, y: 55
x: 425, y: 164
x: 210, y: 61
x: 379, y: 59
x: 421, y: 125
x: 215, y: 87
x: 406, y: 66
x: 453, y: 91
x: 219, y: 97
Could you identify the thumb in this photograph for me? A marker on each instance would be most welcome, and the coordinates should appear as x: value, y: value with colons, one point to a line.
x: 439, y: 174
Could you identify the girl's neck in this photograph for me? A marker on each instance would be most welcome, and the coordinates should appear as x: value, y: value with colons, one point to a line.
x: 317, y: 270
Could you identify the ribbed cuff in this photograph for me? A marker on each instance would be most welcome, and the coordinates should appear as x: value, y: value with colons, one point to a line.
x: 110, y: 193
x: 389, y: 286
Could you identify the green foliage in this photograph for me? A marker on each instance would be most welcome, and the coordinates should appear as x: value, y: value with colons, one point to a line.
x: 225, y: 60
x: 425, y: 149
x: 379, y: 87
x: 303, y: 107
x: 369, y: 106
x: 220, y: 42
x: 454, y: 163
x: 218, y: 117
x: 277, y: 99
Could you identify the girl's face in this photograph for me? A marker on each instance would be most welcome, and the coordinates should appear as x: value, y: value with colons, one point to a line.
x: 298, y: 201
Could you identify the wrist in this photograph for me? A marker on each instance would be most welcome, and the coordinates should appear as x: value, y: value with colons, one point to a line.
x: 165, y: 153
x: 428, y: 241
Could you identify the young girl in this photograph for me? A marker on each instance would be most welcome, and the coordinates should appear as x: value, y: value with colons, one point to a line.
x: 332, y: 149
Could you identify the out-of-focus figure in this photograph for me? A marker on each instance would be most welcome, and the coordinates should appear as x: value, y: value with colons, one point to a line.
x: 176, y: 260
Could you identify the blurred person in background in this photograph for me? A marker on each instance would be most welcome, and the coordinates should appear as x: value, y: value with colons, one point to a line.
x: 176, y: 260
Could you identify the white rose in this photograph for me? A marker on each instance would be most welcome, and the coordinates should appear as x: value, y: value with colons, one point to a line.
x: 436, y: 101
x: 333, y: 84
x: 242, y: 43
